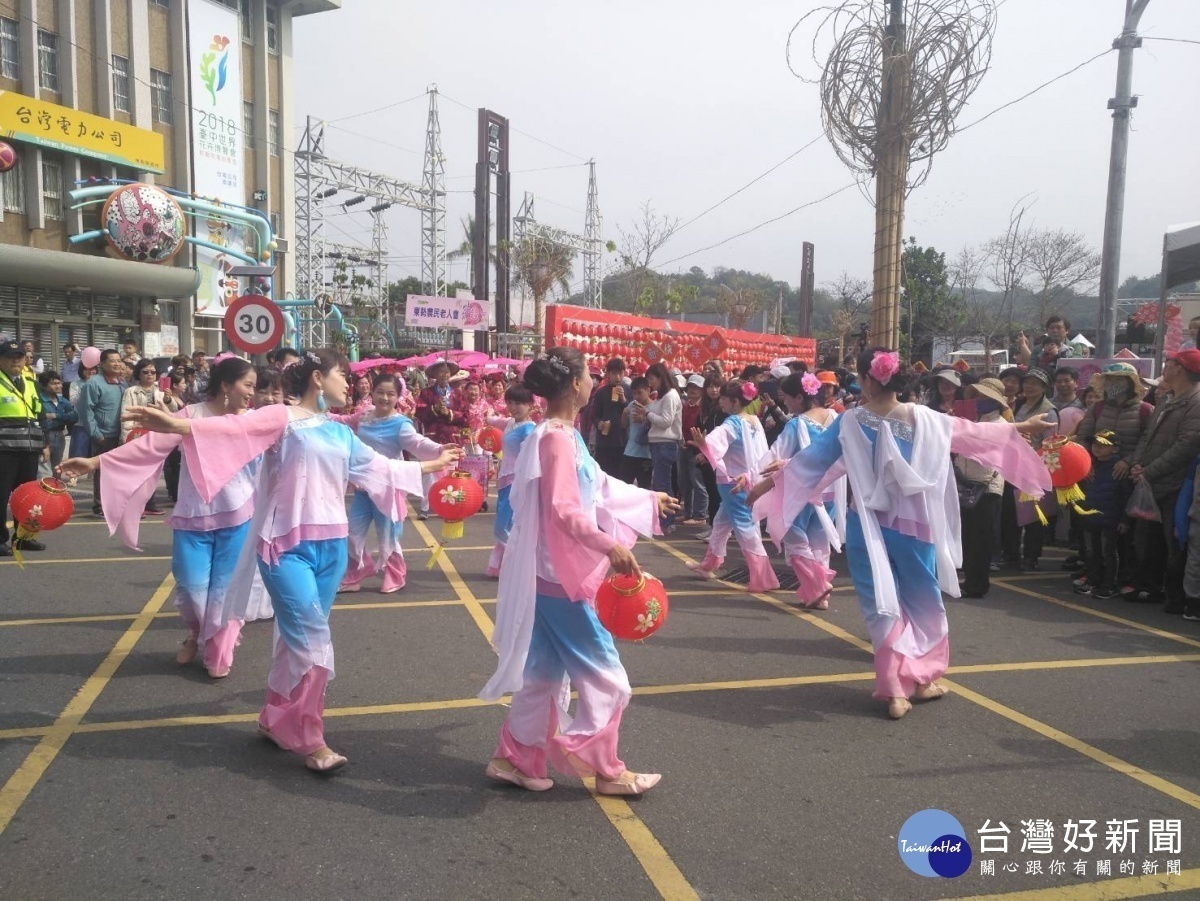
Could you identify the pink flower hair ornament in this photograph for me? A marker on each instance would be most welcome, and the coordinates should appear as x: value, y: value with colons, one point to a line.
x: 749, y: 391
x: 884, y: 366
x: 810, y: 384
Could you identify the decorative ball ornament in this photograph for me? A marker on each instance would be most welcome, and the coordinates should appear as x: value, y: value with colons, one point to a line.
x: 454, y: 498
x: 632, y: 608
x: 37, y: 506
x: 1069, y: 464
x: 143, y: 223
x: 8, y: 156
x: 490, y: 438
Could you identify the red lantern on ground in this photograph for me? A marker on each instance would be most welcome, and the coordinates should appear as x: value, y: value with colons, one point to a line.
x: 1069, y: 464
x: 632, y: 607
x: 490, y: 438
x: 37, y: 506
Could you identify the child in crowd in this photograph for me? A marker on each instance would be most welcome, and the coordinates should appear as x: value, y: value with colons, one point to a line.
x: 1107, y: 496
x: 635, y: 465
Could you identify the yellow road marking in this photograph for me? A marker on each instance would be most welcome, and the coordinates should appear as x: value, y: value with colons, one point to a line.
x: 460, y: 587
x: 132, y: 558
x: 1100, y: 614
x: 1104, y: 890
x: 75, y: 620
x: 649, y: 853
x: 14, y: 792
x: 1134, y: 772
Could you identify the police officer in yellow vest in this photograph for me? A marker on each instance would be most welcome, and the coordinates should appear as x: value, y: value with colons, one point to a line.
x: 21, y: 436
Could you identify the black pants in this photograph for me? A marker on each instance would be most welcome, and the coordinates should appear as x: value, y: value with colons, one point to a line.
x: 714, y: 496
x: 609, y: 460
x: 1100, y: 544
x: 1163, y: 562
x: 100, y: 446
x: 978, y: 535
x: 1011, y: 533
x: 171, y: 473
x: 16, y: 468
x: 636, y: 471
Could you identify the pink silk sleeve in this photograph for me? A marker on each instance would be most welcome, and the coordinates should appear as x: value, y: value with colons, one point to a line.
x: 566, y: 526
x: 998, y: 445
x: 219, y: 446
x: 131, y: 474
x: 384, y: 481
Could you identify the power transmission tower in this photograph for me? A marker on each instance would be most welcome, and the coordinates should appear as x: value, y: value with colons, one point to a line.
x: 1114, y: 212
x: 433, y: 216
x: 593, y: 284
x: 310, y: 243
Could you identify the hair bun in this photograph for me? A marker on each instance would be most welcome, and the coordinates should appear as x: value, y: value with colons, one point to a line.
x: 544, y: 379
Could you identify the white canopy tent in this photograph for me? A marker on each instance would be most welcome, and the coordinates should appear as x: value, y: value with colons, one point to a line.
x: 1180, y: 264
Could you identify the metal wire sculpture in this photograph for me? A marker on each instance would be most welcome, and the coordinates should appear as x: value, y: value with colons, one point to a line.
x: 892, y: 84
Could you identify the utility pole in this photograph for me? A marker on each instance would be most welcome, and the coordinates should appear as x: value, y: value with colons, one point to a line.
x: 1114, y: 211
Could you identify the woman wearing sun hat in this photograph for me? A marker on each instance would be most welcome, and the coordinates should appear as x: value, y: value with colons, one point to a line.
x: 1122, y: 410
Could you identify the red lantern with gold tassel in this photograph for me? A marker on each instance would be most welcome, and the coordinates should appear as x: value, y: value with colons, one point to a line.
x: 454, y: 498
x: 1069, y: 464
x: 632, y: 607
x: 39, y: 506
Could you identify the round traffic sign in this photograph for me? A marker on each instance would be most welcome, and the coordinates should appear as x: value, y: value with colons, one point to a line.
x: 253, y: 324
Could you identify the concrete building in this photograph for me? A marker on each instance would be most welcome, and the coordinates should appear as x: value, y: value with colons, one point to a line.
x: 122, y: 69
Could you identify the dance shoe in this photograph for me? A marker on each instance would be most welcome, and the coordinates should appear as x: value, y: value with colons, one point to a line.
x: 930, y: 692
x: 504, y: 771
x: 698, y: 569
x: 325, y: 763
x: 628, y: 784
x: 898, y: 707
x: 221, y: 673
x: 347, y: 587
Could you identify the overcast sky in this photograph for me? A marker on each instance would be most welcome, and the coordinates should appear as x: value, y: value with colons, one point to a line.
x: 683, y: 101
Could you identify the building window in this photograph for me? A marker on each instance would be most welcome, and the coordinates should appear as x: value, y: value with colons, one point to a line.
x: 160, y: 96
x: 52, y: 189
x: 247, y: 21
x: 248, y: 123
x: 165, y: 4
x: 272, y: 28
x: 120, y: 67
x: 48, y: 60
x: 10, y: 49
x: 14, y: 189
x: 273, y: 137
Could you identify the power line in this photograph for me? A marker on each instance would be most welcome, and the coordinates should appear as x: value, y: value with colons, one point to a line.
x: 750, y: 183
x: 375, y: 140
x: 1046, y: 84
x: 1173, y: 40
x: 518, y: 131
x: 378, y: 109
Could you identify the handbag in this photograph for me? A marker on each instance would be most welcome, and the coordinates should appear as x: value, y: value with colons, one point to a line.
x: 970, y: 493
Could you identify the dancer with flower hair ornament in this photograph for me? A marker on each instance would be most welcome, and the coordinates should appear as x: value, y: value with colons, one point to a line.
x: 903, y: 538
x: 736, y: 449
x: 808, y: 539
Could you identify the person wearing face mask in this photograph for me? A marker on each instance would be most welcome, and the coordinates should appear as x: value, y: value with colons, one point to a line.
x: 1019, y: 519
x: 980, y: 490
x: 1121, y: 409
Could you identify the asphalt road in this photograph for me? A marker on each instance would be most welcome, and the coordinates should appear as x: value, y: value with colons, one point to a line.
x: 125, y: 776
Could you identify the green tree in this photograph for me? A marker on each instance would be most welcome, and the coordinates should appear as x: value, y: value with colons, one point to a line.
x: 542, y: 263
x: 928, y: 308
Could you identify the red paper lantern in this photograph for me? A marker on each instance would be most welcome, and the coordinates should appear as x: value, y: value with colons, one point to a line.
x: 1069, y: 464
x: 632, y: 607
x: 44, y: 504
x: 454, y: 498
x: 490, y: 438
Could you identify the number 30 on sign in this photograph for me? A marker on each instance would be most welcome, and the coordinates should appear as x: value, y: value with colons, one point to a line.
x: 253, y: 324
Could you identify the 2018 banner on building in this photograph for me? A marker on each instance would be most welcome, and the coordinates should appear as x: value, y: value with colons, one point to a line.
x: 218, y: 145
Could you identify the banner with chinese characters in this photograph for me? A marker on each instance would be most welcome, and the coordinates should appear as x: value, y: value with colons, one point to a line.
x: 71, y: 131
x: 446, y: 312
x: 218, y: 146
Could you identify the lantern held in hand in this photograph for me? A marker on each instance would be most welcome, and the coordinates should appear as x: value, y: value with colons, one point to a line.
x: 632, y: 607
x: 38, y: 506
x: 490, y: 438
x: 454, y: 498
x: 1069, y: 464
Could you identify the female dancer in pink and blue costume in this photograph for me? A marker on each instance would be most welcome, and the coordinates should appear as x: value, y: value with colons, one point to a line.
x: 570, y: 522
x: 808, y: 538
x: 903, y: 539
x: 736, y: 450
x: 208, y: 534
x: 299, y: 527
x: 391, y: 434
x: 518, y: 405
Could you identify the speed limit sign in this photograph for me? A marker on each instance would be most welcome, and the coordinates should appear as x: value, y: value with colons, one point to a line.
x: 253, y: 324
